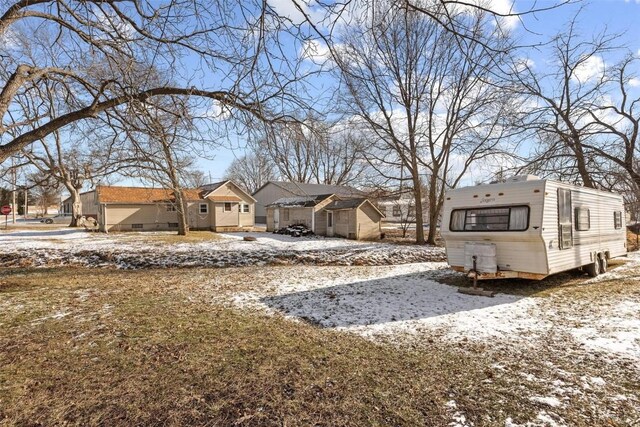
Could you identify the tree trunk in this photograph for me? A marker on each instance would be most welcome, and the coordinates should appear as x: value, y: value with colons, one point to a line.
x: 181, y: 210
x: 417, y: 194
x: 76, y: 205
x: 433, y: 208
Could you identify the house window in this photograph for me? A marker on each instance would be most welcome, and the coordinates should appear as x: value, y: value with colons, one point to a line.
x: 285, y: 214
x: 245, y: 208
x: 509, y: 218
x: 330, y: 219
x: 170, y: 207
x: 397, y: 211
x: 412, y: 212
x: 617, y: 220
x: 227, y: 207
x: 583, y: 219
x: 173, y: 225
x: 565, y: 229
x: 204, y: 208
x: 137, y: 225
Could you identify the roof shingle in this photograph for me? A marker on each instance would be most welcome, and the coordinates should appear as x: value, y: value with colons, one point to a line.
x: 109, y: 194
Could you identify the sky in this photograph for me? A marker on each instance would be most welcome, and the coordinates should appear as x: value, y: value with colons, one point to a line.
x: 617, y: 16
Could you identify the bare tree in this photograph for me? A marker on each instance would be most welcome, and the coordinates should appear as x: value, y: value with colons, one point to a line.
x: 313, y: 150
x: 89, y: 48
x: 75, y: 159
x: 562, y: 98
x: 251, y: 171
x: 617, y: 123
x: 45, y: 191
x: 161, y: 137
x: 426, y: 100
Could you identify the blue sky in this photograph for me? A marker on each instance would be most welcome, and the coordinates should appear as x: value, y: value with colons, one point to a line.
x: 617, y: 16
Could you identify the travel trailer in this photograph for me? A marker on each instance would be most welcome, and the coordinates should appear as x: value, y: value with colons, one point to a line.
x: 531, y: 228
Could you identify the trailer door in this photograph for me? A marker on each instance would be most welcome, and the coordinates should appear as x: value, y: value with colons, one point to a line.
x: 565, y: 226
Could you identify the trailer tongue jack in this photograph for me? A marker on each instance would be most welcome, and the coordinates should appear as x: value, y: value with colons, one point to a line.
x: 475, y: 290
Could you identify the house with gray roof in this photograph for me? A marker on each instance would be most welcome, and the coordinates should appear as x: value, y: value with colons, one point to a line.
x: 327, y: 215
x: 275, y: 190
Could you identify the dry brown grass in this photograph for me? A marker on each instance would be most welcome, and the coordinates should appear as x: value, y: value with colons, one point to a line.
x: 166, y: 237
x: 393, y: 235
x: 633, y: 241
x: 108, y: 347
x: 32, y: 227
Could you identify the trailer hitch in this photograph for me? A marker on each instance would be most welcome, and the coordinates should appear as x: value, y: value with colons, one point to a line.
x: 475, y: 290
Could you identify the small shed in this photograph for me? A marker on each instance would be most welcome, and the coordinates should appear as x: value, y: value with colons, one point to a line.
x: 354, y: 219
x: 307, y: 210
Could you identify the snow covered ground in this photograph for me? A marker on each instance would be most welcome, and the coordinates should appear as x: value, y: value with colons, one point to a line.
x: 66, y: 246
x: 407, y: 302
x: 572, y: 346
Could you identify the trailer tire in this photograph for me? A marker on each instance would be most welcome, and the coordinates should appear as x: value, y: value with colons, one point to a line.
x: 603, y: 263
x: 593, y: 269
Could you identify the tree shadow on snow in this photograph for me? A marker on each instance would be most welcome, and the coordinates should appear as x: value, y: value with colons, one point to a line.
x: 398, y: 298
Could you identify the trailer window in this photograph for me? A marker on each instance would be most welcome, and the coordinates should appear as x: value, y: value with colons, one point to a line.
x: 583, y: 219
x: 508, y: 218
x: 617, y: 220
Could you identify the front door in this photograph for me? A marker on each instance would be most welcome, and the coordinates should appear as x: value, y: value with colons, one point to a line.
x: 565, y: 223
x: 276, y: 219
x: 329, y: 224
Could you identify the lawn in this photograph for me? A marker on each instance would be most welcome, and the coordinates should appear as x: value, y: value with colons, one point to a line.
x: 270, y: 346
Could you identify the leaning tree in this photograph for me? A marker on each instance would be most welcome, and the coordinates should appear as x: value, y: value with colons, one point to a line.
x: 229, y: 54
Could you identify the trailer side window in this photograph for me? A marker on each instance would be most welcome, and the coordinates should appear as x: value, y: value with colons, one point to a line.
x: 583, y: 219
x: 509, y: 218
x: 565, y: 232
x: 617, y: 220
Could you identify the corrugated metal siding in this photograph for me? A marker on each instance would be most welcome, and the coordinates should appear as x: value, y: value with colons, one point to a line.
x: 601, y: 236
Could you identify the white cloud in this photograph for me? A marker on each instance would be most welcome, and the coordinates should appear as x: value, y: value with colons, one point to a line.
x: 499, y: 7
x: 589, y: 68
x: 315, y: 51
x: 524, y: 63
x: 634, y: 82
x: 288, y: 9
x: 9, y: 40
x: 217, y: 111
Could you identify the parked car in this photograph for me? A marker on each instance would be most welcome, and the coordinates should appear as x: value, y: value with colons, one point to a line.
x: 63, y: 218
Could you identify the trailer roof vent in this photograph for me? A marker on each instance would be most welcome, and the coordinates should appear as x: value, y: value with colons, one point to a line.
x: 522, y: 178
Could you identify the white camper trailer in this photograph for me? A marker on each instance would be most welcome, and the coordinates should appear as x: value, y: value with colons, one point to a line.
x: 530, y: 228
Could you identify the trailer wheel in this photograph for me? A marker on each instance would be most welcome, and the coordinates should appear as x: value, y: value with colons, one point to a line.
x: 593, y: 269
x: 603, y: 263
